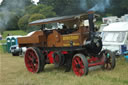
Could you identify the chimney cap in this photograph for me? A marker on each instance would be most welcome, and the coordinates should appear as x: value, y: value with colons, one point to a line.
x: 91, y: 12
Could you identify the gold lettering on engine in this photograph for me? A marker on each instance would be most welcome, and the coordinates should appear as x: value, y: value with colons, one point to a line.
x: 73, y: 37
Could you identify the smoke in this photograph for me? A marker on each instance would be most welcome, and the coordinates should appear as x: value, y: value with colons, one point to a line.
x: 4, y: 18
x: 101, y: 5
x: 96, y: 5
x: 83, y: 4
x: 8, y: 10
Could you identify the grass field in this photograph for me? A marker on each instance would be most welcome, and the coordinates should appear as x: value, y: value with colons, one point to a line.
x: 16, y: 32
x: 14, y: 72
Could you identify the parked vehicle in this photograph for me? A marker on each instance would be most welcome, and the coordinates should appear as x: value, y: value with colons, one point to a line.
x: 115, y: 37
x: 17, y: 51
x: 75, y: 45
x: 110, y: 19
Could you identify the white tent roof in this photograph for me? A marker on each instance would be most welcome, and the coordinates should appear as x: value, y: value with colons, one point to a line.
x: 118, y: 26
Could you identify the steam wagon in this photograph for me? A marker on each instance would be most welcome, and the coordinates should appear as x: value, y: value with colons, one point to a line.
x: 66, y: 41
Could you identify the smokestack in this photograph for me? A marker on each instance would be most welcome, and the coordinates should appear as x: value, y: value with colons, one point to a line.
x: 91, y: 24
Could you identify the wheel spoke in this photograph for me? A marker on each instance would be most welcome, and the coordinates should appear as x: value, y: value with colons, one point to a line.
x: 29, y: 64
x: 79, y: 65
x: 30, y: 58
x: 75, y: 61
x: 105, y: 66
x: 32, y: 67
x: 108, y: 61
x: 81, y: 71
x: 78, y: 59
x: 110, y: 65
x: 36, y: 61
x: 75, y: 69
x: 109, y: 57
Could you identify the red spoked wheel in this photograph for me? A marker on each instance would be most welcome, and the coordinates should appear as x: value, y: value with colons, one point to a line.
x: 58, y: 59
x: 109, y: 60
x: 34, y: 61
x: 80, y: 65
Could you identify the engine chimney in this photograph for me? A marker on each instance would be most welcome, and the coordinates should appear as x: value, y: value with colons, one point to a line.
x: 91, y: 24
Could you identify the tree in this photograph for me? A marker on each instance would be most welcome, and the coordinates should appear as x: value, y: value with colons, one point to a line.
x: 47, y: 11
x: 23, y: 22
x: 119, y: 7
x: 124, y: 6
x: 12, y: 24
x: 63, y: 7
x: 36, y: 16
x: 69, y: 7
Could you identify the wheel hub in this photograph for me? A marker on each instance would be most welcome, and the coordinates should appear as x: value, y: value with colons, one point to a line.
x: 78, y: 66
x: 33, y: 60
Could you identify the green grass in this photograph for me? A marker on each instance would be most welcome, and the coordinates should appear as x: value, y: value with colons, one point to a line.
x: 14, y: 72
x: 16, y: 32
x: 1, y: 49
x: 3, y: 41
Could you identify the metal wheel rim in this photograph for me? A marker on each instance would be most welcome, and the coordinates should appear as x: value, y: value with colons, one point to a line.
x: 56, y: 59
x: 78, y: 66
x: 108, y: 61
x: 31, y: 60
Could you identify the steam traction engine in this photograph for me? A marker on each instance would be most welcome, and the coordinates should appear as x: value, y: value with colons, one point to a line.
x: 72, y: 44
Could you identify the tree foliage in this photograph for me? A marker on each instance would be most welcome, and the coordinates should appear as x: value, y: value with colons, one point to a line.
x: 46, y: 10
x: 63, y: 7
x: 36, y: 16
x: 67, y: 7
x: 23, y: 22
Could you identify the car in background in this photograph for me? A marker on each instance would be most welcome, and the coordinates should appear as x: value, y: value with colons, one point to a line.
x: 16, y: 51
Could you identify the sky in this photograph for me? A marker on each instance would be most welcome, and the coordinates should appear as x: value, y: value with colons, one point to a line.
x: 35, y: 1
x: 32, y: 0
x: 1, y: 1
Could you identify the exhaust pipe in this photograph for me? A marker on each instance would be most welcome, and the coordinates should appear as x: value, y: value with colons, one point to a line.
x: 94, y: 43
x: 91, y: 24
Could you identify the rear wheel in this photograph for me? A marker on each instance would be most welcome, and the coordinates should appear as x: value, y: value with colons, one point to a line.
x: 80, y: 65
x: 109, y: 60
x: 58, y: 59
x: 34, y: 61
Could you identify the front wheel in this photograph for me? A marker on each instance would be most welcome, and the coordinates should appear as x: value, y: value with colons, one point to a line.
x: 109, y: 60
x: 34, y: 61
x: 80, y: 65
